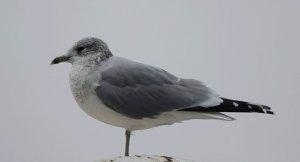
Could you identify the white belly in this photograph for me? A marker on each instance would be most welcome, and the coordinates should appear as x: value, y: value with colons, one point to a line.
x: 96, y: 109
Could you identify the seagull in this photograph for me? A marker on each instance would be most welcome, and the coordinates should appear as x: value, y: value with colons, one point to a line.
x: 136, y: 96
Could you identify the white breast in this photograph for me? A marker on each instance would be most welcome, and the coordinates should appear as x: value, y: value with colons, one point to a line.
x: 83, y: 92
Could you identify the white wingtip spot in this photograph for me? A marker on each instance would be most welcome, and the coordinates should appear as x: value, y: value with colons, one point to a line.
x: 249, y: 106
x: 265, y: 111
x: 235, y: 104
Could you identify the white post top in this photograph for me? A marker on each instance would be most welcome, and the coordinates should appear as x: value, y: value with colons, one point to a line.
x: 144, y: 158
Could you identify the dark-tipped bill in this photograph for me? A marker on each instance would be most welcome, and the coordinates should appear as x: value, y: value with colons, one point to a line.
x: 60, y: 59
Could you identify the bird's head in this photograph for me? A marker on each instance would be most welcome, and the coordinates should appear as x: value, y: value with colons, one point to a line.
x: 84, y: 49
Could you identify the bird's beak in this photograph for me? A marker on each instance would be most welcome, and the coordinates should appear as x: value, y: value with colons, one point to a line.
x: 60, y: 59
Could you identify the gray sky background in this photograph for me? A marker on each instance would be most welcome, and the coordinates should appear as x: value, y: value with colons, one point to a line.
x: 246, y: 50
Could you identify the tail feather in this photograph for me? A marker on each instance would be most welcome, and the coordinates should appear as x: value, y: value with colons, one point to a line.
x: 229, y: 105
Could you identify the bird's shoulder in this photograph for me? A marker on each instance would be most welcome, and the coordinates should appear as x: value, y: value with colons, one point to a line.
x: 123, y: 72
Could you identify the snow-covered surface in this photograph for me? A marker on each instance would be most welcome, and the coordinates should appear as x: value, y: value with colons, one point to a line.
x: 144, y: 158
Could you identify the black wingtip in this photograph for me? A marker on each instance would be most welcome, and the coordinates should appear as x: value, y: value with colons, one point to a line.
x: 229, y: 105
x: 265, y: 109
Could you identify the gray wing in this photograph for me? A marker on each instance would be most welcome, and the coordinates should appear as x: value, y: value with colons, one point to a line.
x: 138, y: 91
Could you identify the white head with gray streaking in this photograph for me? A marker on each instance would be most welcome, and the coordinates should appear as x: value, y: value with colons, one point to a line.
x: 89, y: 48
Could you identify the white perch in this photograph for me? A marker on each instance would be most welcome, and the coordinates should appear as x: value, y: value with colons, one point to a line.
x: 144, y: 158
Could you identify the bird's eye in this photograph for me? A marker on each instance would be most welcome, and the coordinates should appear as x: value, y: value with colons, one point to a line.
x: 79, y: 49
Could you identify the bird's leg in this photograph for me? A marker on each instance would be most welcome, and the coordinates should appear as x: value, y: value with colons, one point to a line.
x: 127, y: 134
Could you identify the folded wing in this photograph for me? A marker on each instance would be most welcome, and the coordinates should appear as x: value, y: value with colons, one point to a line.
x: 138, y: 91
